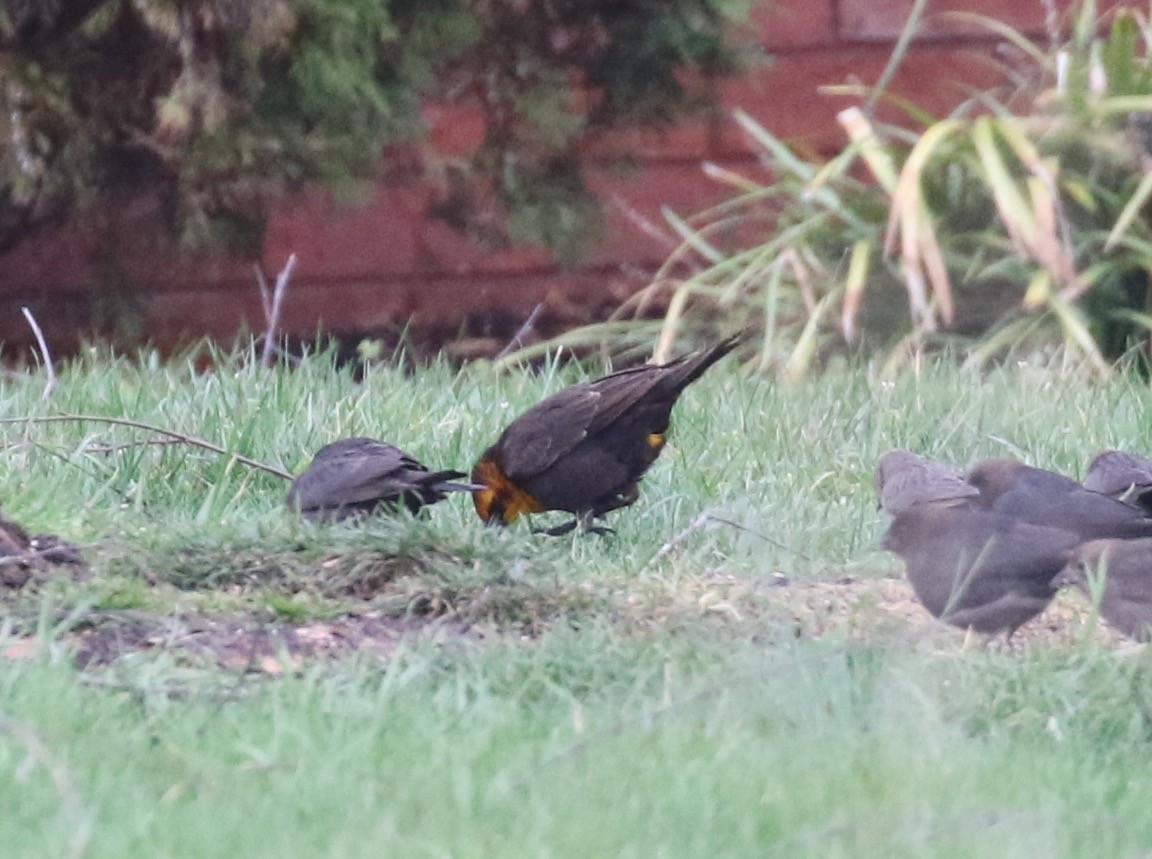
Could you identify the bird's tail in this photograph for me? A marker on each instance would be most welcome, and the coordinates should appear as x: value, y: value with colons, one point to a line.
x: 445, y: 481
x: 693, y: 365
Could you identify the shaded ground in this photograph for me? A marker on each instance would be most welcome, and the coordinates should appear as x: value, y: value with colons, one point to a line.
x: 238, y: 645
x: 855, y: 609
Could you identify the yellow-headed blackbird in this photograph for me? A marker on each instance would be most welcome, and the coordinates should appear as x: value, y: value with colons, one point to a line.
x: 1046, y: 498
x: 1124, y: 476
x: 584, y: 449
x: 1122, y: 569
x: 904, y: 478
x: 357, y: 475
x: 978, y: 568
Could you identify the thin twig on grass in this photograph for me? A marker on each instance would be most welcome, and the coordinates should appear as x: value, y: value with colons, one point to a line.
x: 45, y: 355
x: 116, y: 448
x: 702, y: 520
x: 272, y: 308
x: 695, y: 525
x: 518, y: 338
x: 125, y: 422
x: 763, y: 537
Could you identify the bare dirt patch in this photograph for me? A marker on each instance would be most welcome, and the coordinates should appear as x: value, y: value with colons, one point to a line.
x: 876, y: 608
x: 861, y: 609
x: 238, y: 645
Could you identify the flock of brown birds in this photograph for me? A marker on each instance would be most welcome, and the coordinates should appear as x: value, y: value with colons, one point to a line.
x: 988, y: 549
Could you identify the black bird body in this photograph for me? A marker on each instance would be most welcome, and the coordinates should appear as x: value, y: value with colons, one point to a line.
x: 904, y: 478
x: 977, y: 568
x: 1126, y: 477
x: 584, y: 449
x: 1042, y: 497
x: 1126, y: 567
x: 358, y: 475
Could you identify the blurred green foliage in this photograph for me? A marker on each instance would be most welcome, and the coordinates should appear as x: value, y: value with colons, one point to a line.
x: 1018, y: 222
x: 218, y: 106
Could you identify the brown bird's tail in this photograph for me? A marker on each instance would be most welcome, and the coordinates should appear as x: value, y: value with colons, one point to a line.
x: 686, y: 370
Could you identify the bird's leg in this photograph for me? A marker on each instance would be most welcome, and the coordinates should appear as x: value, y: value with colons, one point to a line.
x: 558, y: 530
x: 583, y: 523
x: 588, y: 526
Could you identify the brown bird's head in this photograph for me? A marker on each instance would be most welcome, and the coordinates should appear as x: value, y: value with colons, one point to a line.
x: 994, y: 477
x: 892, y: 463
x: 1086, y: 564
x: 500, y: 501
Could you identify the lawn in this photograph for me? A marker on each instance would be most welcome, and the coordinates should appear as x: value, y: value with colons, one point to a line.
x: 738, y: 671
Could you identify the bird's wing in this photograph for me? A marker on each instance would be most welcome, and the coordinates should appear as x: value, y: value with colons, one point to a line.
x: 1115, y: 472
x: 930, y: 482
x: 354, y: 478
x: 548, y: 430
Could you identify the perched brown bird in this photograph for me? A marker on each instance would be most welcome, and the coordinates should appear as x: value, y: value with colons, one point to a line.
x: 357, y: 475
x: 1124, y: 476
x: 904, y: 478
x: 585, y: 448
x: 1123, y: 571
x: 1046, y: 498
x: 977, y: 568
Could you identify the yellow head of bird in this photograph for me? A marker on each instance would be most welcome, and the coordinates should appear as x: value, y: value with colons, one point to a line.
x: 500, y: 501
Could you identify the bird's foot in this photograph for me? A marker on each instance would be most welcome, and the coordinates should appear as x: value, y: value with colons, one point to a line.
x: 584, y: 524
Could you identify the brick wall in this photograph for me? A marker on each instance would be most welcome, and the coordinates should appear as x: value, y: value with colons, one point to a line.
x: 382, y: 262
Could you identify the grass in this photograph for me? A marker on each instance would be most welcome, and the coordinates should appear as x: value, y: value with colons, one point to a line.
x: 685, y: 688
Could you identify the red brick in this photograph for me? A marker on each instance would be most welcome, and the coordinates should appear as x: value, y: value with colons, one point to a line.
x: 122, y: 247
x: 641, y: 195
x: 443, y: 249
x: 784, y: 26
x: 786, y: 98
x: 870, y: 20
x: 341, y: 240
x: 376, y: 303
x: 58, y: 259
x: 689, y: 139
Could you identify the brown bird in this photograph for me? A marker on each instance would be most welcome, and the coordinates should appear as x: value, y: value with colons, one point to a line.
x: 904, y: 478
x: 1046, y: 498
x: 976, y: 568
x: 1122, y: 570
x: 1123, y: 476
x: 359, y: 475
x: 585, y: 448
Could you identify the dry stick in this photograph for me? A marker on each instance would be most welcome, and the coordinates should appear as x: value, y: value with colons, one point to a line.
x: 273, y: 314
x: 124, y: 422
x: 763, y: 537
x: 702, y: 520
x: 518, y: 338
x: 116, y: 448
x: 38, y: 753
x: 265, y: 295
x: 44, y: 353
x: 679, y: 538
